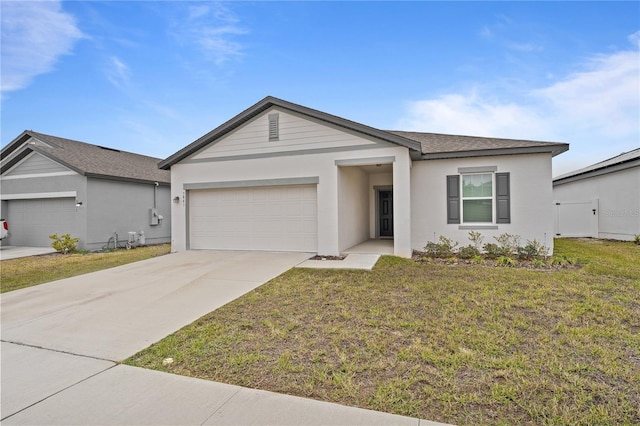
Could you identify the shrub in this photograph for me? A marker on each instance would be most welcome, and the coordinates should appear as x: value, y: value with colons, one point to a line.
x: 493, y: 251
x: 533, y: 250
x: 636, y: 239
x: 562, y: 260
x: 508, y: 243
x: 64, y: 243
x: 506, y: 261
x: 477, y: 259
x: 468, y: 252
x: 476, y: 238
x: 443, y: 249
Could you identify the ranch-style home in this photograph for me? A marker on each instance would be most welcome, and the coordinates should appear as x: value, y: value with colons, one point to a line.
x: 284, y: 177
x: 56, y: 185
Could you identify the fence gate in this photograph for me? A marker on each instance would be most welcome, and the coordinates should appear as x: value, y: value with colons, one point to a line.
x: 576, y: 218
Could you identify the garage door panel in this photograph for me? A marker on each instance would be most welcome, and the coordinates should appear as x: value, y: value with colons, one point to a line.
x: 282, y: 218
x: 32, y: 221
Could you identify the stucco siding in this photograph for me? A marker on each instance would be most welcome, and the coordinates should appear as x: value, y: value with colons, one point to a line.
x: 353, y: 206
x: 120, y: 207
x: 618, y: 196
x: 295, y: 133
x: 531, y: 199
x: 320, y: 165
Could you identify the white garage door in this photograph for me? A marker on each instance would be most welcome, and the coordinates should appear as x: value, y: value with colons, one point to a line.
x: 275, y: 218
x: 32, y: 221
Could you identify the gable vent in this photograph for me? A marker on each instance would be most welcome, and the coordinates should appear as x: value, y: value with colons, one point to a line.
x: 274, y: 130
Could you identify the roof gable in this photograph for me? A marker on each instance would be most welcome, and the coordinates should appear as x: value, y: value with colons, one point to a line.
x: 291, y: 134
x: 35, y: 163
x: 83, y: 158
x: 285, y: 106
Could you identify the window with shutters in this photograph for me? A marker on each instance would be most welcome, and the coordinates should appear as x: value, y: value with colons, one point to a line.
x: 478, y: 198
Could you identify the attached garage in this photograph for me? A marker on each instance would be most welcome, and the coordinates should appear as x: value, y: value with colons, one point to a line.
x: 273, y: 218
x: 31, y: 221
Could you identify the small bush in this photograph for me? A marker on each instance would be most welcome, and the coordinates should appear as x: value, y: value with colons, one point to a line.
x: 506, y: 261
x: 443, y: 249
x: 538, y: 263
x: 64, y: 243
x: 478, y: 260
x: 636, y: 239
x: 476, y: 238
x: 493, y: 251
x: 468, y: 252
x: 533, y: 250
x: 508, y: 243
x: 562, y: 260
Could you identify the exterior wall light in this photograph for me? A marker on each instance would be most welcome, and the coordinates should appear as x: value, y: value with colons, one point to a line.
x: 176, y: 200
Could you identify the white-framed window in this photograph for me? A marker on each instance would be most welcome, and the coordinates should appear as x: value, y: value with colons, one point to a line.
x: 477, y: 190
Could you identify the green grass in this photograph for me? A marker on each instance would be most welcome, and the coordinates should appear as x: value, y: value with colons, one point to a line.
x: 459, y: 344
x: 29, y: 271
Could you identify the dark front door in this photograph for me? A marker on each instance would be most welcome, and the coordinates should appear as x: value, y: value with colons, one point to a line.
x: 385, y: 213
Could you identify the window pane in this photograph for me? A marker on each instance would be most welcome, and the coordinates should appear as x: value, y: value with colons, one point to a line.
x: 477, y: 211
x: 477, y: 185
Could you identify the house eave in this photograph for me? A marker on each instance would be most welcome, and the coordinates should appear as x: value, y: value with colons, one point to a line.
x: 597, y: 172
x: 554, y: 150
x: 126, y: 179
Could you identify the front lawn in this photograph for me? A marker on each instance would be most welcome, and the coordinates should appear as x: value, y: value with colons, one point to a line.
x: 29, y: 271
x: 460, y: 344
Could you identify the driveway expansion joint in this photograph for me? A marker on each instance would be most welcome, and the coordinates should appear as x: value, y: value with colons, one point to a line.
x: 59, y: 391
x: 59, y: 351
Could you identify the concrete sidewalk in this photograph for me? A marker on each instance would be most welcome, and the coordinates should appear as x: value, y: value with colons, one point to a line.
x: 124, y: 395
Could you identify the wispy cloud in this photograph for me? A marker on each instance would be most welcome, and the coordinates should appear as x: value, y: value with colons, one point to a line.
x: 117, y: 72
x: 213, y: 29
x: 34, y: 36
x: 595, y: 109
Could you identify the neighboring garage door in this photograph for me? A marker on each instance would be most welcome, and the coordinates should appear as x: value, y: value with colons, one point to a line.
x: 32, y: 221
x: 275, y: 218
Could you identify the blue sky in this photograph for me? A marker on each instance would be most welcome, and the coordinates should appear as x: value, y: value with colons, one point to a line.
x: 151, y: 77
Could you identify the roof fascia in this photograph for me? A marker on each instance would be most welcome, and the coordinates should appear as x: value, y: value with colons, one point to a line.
x: 15, y: 144
x: 125, y: 179
x: 551, y: 149
x: 598, y: 172
x: 269, y: 102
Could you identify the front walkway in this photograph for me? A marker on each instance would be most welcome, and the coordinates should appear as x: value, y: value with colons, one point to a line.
x: 361, y: 256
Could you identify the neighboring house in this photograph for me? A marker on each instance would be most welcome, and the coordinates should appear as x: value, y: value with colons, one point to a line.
x: 281, y: 176
x: 600, y: 201
x: 55, y: 185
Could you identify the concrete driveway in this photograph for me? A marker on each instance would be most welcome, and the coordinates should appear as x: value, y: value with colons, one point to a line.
x: 114, y: 313
x: 58, y: 334
x: 14, y: 252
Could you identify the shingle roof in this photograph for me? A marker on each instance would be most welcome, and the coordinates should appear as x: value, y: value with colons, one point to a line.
x: 87, y: 159
x: 438, y: 145
x: 630, y: 158
x: 421, y: 145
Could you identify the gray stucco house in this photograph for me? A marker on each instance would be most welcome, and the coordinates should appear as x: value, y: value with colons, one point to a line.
x: 56, y: 185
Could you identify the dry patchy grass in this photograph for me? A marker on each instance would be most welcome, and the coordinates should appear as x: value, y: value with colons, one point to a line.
x: 459, y: 344
x: 34, y: 270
